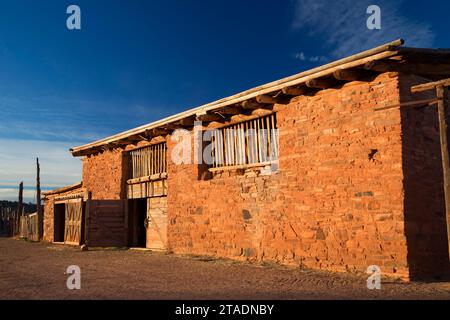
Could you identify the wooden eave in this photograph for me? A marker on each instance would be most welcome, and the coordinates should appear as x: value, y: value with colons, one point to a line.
x: 62, y: 190
x: 361, y: 66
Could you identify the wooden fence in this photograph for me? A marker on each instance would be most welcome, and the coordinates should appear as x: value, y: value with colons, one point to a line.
x: 29, y: 227
x: 9, y: 223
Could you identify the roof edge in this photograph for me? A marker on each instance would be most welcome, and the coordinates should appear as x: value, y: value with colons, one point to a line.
x: 63, y: 189
x: 240, y: 97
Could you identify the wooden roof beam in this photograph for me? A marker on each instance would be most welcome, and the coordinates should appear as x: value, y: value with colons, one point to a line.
x: 431, y: 86
x: 427, y: 69
x: 294, y: 91
x: 352, y: 74
x: 280, y: 98
x: 187, y: 122
x: 382, y: 66
x: 209, y: 117
x: 231, y: 111
x: 322, y: 83
x: 160, y: 132
x: 253, y: 104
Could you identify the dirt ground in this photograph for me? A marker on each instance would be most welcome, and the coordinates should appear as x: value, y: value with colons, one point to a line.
x: 36, y: 271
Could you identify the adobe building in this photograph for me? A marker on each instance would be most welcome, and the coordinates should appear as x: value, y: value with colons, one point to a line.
x: 355, y: 180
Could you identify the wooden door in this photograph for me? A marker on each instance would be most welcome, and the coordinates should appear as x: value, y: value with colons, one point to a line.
x: 107, y: 223
x: 73, y: 222
x: 157, y: 223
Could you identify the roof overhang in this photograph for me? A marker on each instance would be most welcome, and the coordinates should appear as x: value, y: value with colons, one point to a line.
x: 63, y: 189
x: 388, y: 57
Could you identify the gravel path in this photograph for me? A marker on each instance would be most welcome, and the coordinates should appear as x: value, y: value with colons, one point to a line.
x: 36, y: 271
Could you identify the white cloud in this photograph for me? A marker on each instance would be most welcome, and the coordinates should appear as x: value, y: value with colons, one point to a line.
x: 18, y: 163
x: 342, y: 24
x: 303, y: 57
x: 300, y: 56
x: 13, y: 195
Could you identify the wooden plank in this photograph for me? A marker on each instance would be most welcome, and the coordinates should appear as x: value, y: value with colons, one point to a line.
x: 351, y: 74
x: 267, y: 99
x: 322, y: 83
x: 244, y: 166
x: 294, y: 91
x: 430, y: 86
x: 418, y: 103
x: 442, y: 95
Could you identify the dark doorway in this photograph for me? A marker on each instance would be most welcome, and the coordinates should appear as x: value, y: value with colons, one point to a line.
x: 137, y: 231
x: 59, y: 222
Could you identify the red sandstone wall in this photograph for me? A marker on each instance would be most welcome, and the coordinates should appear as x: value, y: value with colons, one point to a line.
x: 329, y: 207
x: 105, y: 174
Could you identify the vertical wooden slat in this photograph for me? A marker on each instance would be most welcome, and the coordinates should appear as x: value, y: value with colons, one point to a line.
x: 275, y: 133
x: 152, y: 167
x: 220, y: 145
x: 247, y: 148
x: 226, y: 146
x: 258, y: 140
x: 269, y: 138
x: 214, y: 146
x: 235, y: 146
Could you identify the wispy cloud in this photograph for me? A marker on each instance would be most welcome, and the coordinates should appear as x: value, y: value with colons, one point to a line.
x: 64, y: 119
x: 303, y: 57
x: 18, y: 163
x: 342, y: 25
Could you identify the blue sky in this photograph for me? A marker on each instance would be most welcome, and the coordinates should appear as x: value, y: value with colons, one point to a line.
x: 137, y: 61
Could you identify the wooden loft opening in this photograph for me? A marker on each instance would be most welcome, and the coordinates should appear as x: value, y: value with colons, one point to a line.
x: 148, y: 163
x: 147, y: 171
x: 251, y: 143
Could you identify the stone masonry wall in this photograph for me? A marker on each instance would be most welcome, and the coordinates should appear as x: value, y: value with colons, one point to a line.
x: 105, y: 174
x: 335, y: 204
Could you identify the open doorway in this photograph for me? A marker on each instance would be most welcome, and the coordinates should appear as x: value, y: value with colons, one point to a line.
x: 59, y: 222
x: 137, y: 230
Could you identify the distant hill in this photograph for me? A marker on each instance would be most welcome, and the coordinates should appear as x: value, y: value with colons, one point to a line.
x: 12, y: 205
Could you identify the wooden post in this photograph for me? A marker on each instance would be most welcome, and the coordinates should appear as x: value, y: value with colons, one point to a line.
x: 442, y: 95
x: 87, y: 219
x: 19, y: 213
x: 20, y: 210
x: 38, y: 201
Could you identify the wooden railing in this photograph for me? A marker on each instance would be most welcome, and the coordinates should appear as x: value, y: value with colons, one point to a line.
x: 148, y: 161
x: 247, y: 143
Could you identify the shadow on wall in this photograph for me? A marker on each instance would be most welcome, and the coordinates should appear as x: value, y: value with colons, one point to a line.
x: 424, y: 206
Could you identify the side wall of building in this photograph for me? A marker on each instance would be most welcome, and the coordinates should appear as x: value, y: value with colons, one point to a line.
x: 335, y: 204
x: 105, y: 175
x: 425, y: 220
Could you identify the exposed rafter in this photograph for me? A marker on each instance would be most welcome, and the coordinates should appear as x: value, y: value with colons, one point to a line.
x: 294, y: 91
x: 322, y: 83
x: 352, y: 74
x: 251, y: 104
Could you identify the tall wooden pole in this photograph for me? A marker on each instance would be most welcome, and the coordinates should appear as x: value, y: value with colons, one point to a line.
x: 38, y: 201
x: 20, y: 211
x: 442, y: 95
